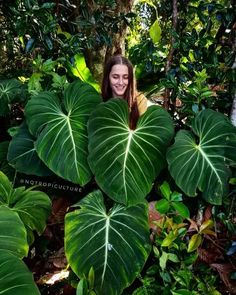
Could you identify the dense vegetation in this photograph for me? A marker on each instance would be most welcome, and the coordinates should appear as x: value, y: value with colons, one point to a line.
x: 88, y: 206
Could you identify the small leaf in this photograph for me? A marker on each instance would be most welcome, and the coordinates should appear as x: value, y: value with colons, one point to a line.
x: 173, y: 257
x: 194, y: 242
x: 91, y: 278
x: 206, y: 225
x: 169, y: 239
x: 156, y: 252
x: 163, y: 260
x: 155, y: 32
x: 82, y: 287
x: 176, y: 197
x: 162, y: 206
x: 232, y: 180
x: 165, y: 190
x: 181, y: 209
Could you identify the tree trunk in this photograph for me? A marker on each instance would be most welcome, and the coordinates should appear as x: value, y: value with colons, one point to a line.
x: 95, y: 59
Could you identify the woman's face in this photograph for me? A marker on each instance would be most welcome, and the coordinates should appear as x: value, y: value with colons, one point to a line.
x: 119, y: 79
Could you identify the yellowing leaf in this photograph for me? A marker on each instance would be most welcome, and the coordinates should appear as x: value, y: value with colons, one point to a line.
x: 155, y: 32
x: 169, y: 239
x: 194, y: 242
x: 209, y: 232
x: 206, y: 225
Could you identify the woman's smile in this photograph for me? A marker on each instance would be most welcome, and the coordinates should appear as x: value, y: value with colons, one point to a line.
x: 119, y: 79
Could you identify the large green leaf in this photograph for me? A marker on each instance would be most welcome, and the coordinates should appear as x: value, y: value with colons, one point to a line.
x: 9, y: 89
x: 21, y: 151
x: 4, y: 164
x: 80, y: 69
x: 15, y: 278
x: 125, y: 162
x: 13, y: 236
x: 61, y: 130
x: 155, y: 32
x: 116, y: 243
x: 198, y: 159
x: 33, y: 207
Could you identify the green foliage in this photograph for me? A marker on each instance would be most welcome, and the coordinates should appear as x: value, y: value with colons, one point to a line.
x: 21, y: 213
x: 15, y: 277
x: 13, y: 236
x: 115, y: 243
x: 203, y: 160
x: 115, y: 149
x: 42, y: 44
x: 33, y: 207
x: 58, y: 134
x: 176, y: 270
x: 79, y: 69
x: 171, y: 202
x: 10, y: 91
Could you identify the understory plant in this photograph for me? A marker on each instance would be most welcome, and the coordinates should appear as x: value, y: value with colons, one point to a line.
x: 22, y: 212
x: 72, y: 134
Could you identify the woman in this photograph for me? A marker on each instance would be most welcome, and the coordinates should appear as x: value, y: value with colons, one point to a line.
x: 118, y: 81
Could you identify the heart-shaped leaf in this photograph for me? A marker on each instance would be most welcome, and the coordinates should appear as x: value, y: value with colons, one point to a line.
x: 33, y: 207
x: 116, y: 243
x: 13, y: 236
x: 21, y: 151
x: 125, y: 162
x: 198, y: 160
x: 9, y: 90
x: 15, y: 278
x: 61, y: 130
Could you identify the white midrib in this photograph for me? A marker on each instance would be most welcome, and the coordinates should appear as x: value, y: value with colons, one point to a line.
x: 73, y: 142
x: 209, y: 163
x: 125, y: 160
x: 106, y: 248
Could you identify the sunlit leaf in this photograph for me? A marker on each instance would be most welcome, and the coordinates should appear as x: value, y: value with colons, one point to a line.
x: 155, y: 32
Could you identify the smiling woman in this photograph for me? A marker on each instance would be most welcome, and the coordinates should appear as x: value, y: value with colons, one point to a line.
x: 119, y: 81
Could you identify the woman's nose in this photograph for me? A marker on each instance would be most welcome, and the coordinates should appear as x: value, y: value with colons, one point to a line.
x: 121, y: 81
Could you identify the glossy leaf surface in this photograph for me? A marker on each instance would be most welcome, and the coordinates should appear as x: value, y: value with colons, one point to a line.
x: 33, y: 207
x: 13, y: 236
x: 198, y: 159
x: 125, y: 162
x: 22, y: 150
x: 116, y: 243
x: 15, y: 278
x: 61, y: 130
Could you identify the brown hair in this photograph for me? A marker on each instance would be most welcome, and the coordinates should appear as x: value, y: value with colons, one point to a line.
x: 130, y: 93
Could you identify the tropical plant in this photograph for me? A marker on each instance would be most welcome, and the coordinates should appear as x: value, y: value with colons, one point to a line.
x: 116, y: 243
x: 115, y: 150
x: 57, y: 134
x: 203, y: 156
x: 21, y: 213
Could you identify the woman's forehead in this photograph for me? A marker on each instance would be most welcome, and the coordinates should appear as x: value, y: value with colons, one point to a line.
x: 119, y: 69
